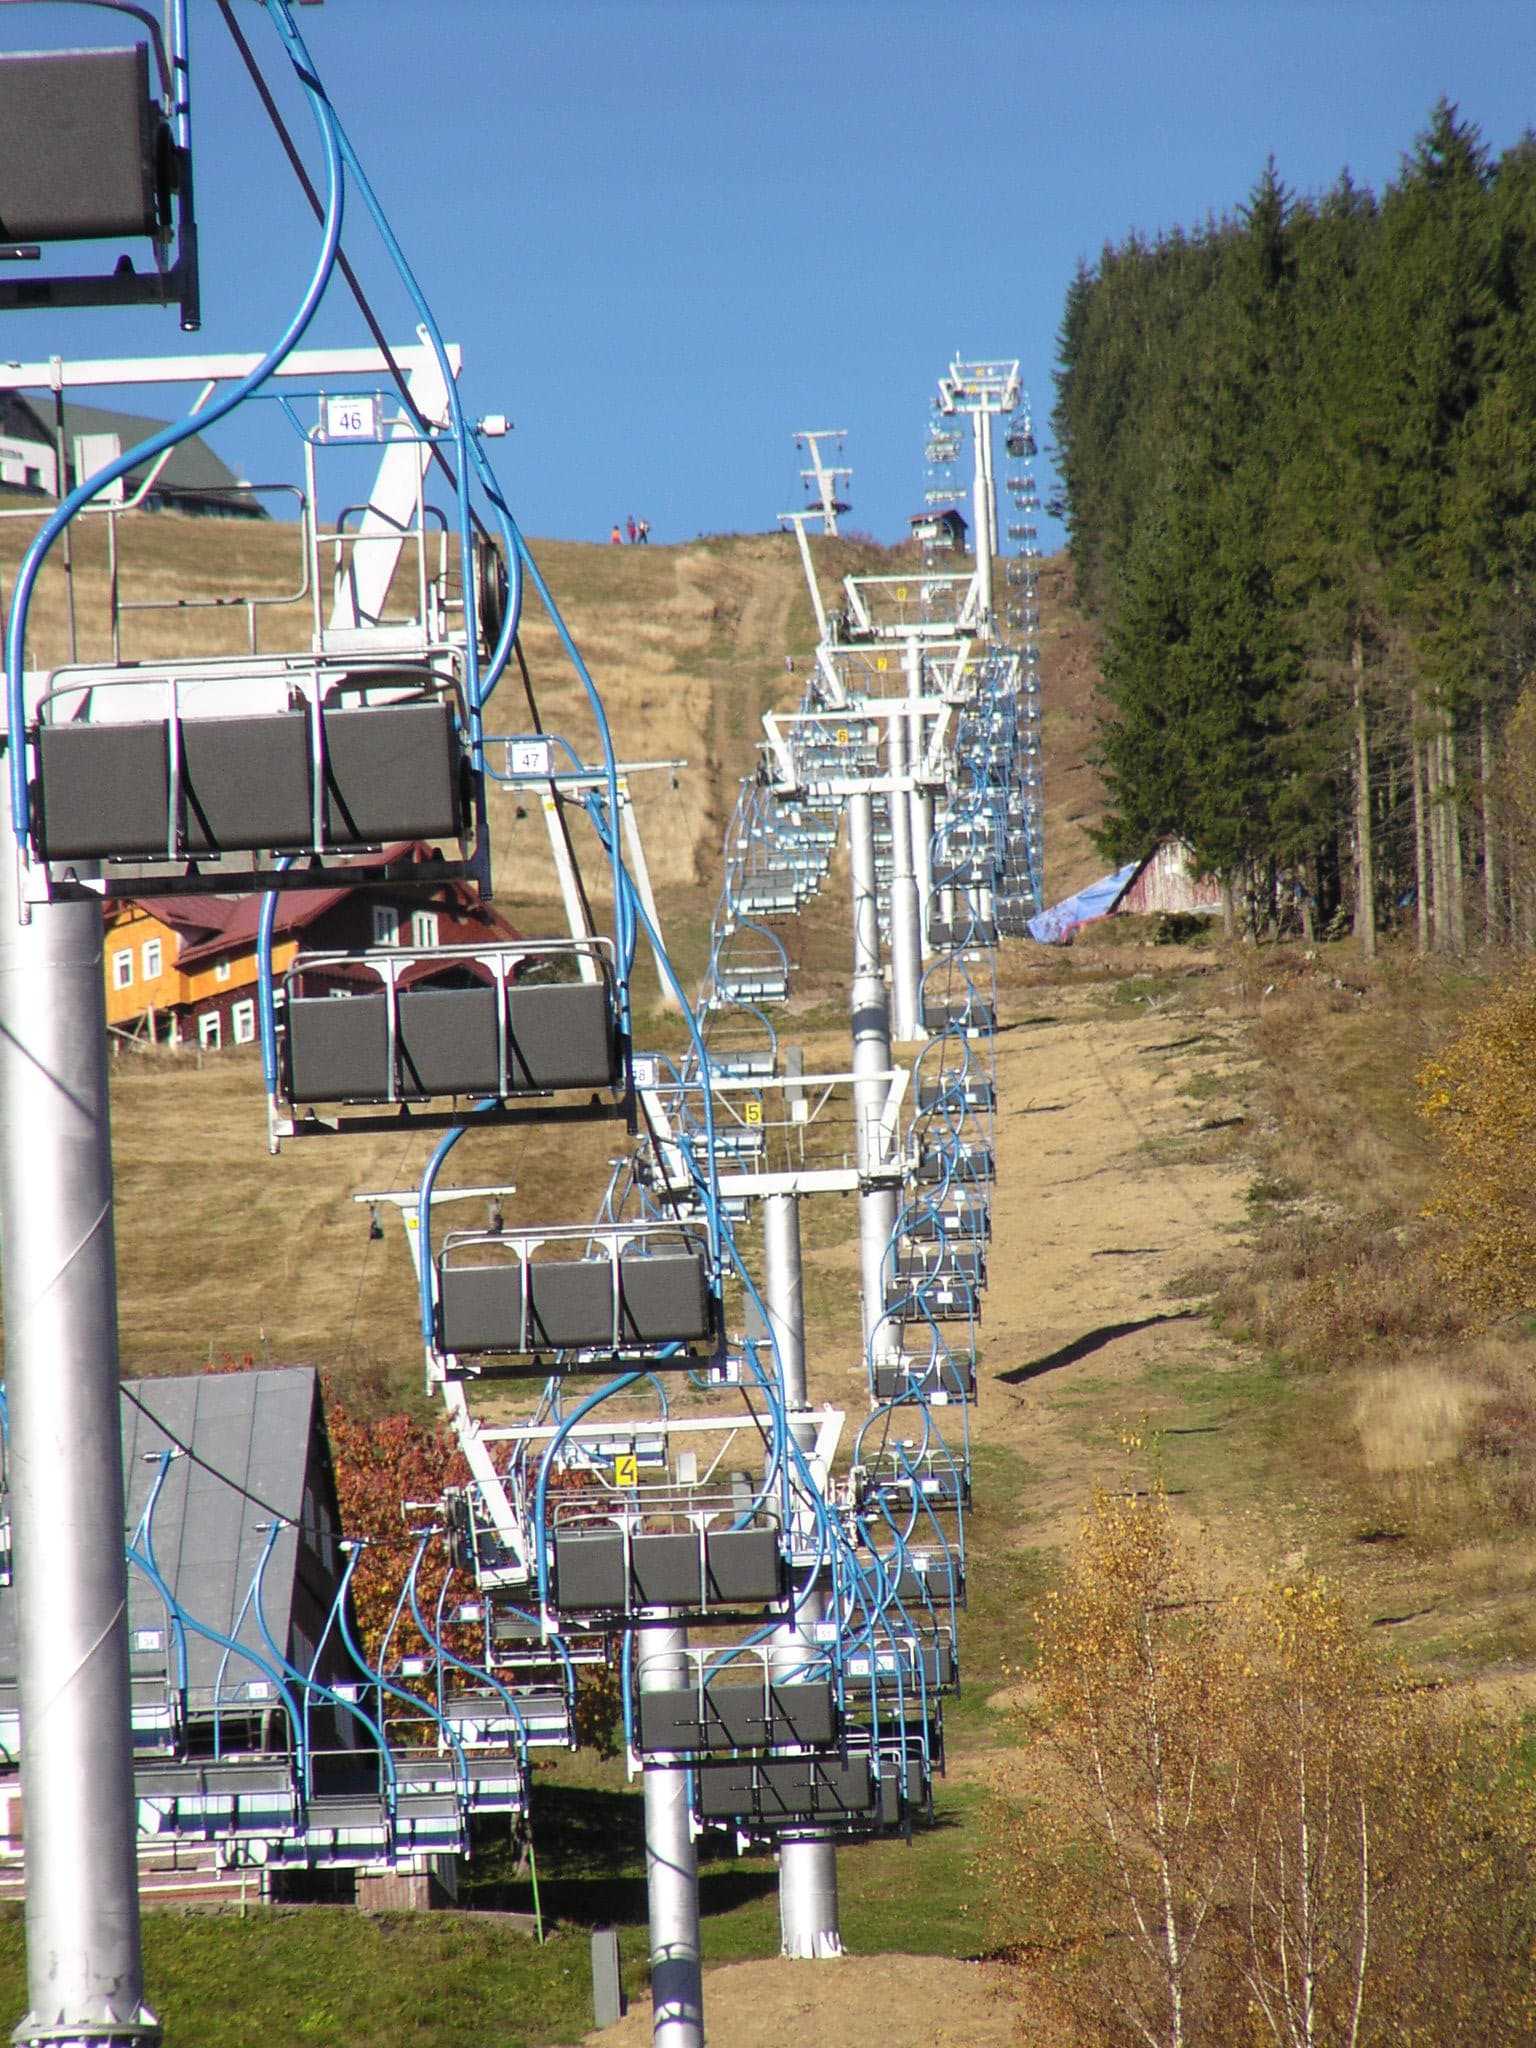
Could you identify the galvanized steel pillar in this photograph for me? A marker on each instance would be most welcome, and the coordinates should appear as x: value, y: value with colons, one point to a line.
x: 983, y: 516
x: 85, y: 1977
x: 906, y: 919
x: 671, y: 1864
x: 808, y: 1925
x: 871, y: 1060
x: 921, y: 800
x: 784, y: 1292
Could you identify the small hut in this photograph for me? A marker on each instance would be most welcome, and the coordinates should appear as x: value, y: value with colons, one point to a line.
x: 946, y: 529
x: 1167, y: 880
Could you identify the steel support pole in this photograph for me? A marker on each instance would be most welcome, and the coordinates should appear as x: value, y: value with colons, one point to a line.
x: 982, y: 515
x: 578, y: 924
x: 871, y: 1058
x: 921, y: 801
x: 808, y: 1920
x: 671, y: 1864
x: 797, y: 521
x: 922, y: 860
x: 986, y: 463
x: 784, y: 1293
x: 85, y: 1977
x: 906, y: 923
x: 639, y: 869
x: 808, y: 1908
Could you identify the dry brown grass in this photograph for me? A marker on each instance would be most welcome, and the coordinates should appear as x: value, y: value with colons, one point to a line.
x: 1447, y: 1456
x: 1344, y: 1260
x: 1327, y: 1290
x: 223, y: 1249
x: 1414, y: 1437
x: 1412, y: 1419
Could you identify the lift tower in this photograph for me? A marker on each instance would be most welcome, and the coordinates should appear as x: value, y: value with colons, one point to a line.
x: 986, y: 391
x: 827, y: 477
x: 85, y: 1975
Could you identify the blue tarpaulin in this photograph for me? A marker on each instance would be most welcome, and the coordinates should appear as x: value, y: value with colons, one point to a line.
x: 1054, y: 927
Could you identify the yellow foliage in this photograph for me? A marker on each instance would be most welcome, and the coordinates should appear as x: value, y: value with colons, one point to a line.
x: 1478, y: 1095
x: 1243, y: 1829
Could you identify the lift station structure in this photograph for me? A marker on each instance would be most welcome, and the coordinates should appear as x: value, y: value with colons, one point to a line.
x: 778, y: 1583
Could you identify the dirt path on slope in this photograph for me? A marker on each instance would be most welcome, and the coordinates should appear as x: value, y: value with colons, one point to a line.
x: 857, y: 2002
x: 1117, y: 1176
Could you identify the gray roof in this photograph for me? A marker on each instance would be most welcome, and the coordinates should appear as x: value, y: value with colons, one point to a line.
x: 193, y: 466
x: 252, y: 1449
x: 21, y: 420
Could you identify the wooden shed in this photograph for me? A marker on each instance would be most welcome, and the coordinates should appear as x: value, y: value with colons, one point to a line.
x: 946, y: 529
x: 1167, y: 880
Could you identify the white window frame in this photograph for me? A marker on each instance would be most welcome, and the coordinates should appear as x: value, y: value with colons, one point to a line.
x: 386, y: 924
x: 242, y: 1022
x: 122, y: 968
x: 424, y: 929
x: 222, y: 970
x: 152, y: 959
x: 210, y: 1031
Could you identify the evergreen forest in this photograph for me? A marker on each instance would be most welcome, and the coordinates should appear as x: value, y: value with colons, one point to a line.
x: 1298, y: 446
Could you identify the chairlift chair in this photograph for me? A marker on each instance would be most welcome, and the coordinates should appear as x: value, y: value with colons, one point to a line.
x: 400, y: 1027
x: 215, y: 772
x: 584, y: 1295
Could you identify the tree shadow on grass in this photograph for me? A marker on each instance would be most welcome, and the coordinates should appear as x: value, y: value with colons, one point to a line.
x: 591, y: 1854
x: 1087, y: 1344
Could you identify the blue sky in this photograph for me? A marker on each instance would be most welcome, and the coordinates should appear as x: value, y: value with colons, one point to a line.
x: 670, y: 232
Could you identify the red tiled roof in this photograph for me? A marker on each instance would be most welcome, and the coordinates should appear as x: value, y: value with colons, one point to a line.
x: 213, y: 925
x: 204, y: 914
x: 296, y: 908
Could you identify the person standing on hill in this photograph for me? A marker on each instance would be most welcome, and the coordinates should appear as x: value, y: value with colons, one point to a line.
x: 616, y: 539
x: 631, y: 529
x: 643, y: 532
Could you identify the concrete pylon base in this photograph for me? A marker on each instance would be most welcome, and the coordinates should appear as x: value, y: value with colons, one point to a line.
x: 808, y: 1927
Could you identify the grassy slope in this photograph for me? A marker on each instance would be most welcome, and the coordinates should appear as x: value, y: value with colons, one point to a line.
x: 1297, y: 1070
x: 223, y: 1249
x: 271, y: 1258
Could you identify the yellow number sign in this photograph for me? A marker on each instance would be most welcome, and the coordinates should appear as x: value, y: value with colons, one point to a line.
x: 753, y: 1113
x: 626, y: 1469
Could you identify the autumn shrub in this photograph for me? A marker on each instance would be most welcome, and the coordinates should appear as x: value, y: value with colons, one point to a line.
x: 1345, y: 1265
x: 1116, y: 1869
x: 1499, y: 1443
x: 1335, y: 1291
x: 381, y: 1464
x: 1478, y: 1096
x: 1239, y: 1828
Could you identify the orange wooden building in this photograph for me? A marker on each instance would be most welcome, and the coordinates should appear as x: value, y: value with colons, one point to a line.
x: 182, y: 969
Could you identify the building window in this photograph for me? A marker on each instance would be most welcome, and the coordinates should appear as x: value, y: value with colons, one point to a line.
x: 210, y: 1034
x: 386, y: 925
x: 242, y: 1021
x: 150, y: 956
x: 317, y: 1529
x: 221, y: 971
x: 424, y: 928
x: 122, y: 969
